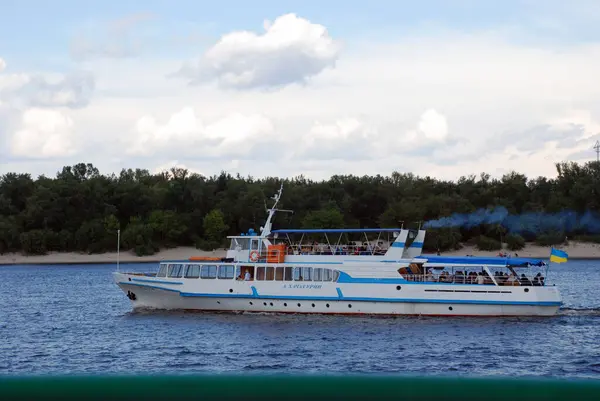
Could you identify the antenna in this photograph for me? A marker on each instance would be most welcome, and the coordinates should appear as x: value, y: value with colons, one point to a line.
x: 118, y: 248
x: 597, y: 149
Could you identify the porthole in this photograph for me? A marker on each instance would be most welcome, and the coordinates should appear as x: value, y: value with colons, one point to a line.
x: 298, y: 305
x: 271, y: 303
x: 230, y: 290
x: 349, y: 305
x: 264, y: 303
x: 526, y: 289
x: 398, y: 287
x: 449, y: 308
x: 285, y: 304
x: 327, y: 305
x: 313, y: 305
x: 250, y: 303
x: 219, y: 302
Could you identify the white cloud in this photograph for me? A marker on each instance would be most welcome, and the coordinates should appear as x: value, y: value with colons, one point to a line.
x: 73, y: 90
x: 166, y: 167
x: 43, y: 134
x: 439, y: 106
x: 360, y: 139
x: 184, y: 133
x: 347, y: 138
x: 24, y: 90
x: 291, y: 50
x: 443, y: 106
x: 433, y: 125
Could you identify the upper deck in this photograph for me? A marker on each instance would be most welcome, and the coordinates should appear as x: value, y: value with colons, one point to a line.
x: 327, y: 245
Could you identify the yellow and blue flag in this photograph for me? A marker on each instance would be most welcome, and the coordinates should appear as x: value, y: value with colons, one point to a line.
x: 558, y: 256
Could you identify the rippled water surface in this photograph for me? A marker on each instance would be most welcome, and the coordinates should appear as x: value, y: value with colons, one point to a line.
x: 73, y: 319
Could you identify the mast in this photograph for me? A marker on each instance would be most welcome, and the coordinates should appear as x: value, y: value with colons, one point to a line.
x: 266, y: 230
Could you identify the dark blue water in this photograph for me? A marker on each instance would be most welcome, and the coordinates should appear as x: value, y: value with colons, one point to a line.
x: 73, y: 319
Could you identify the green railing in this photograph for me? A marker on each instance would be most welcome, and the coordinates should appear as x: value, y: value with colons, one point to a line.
x: 272, y: 387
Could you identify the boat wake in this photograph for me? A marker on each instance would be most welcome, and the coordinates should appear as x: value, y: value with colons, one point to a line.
x: 579, y: 312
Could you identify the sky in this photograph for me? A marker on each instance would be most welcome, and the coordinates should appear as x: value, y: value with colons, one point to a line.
x: 437, y: 88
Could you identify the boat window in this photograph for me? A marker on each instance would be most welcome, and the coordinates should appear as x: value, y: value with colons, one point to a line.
x: 297, y: 274
x: 162, y: 271
x: 326, y: 275
x: 336, y: 275
x: 279, y: 273
x: 254, y: 244
x: 260, y: 273
x: 270, y: 273
x: 288, y: 273
x: 175, y: 271
x: 226, y: 272
x: 307, y: 273
x: 318, y: 274
x: 208, y: 271
x: 192, y: 271
x: 244, y: 243
x: 233, y: 244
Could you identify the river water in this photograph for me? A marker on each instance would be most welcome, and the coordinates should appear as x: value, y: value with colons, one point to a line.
x: 74, y: 319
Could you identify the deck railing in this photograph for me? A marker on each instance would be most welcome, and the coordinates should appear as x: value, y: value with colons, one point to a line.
x: 324, y: 249
x: 458, y: 279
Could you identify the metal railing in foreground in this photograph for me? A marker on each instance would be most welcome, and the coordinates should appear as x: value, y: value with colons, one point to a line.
x: 273, y: 387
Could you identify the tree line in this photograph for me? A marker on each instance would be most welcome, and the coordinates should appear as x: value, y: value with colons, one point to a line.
x: 80, y: 210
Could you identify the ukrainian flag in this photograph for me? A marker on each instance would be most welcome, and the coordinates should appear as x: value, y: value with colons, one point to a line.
x: 558, y: 256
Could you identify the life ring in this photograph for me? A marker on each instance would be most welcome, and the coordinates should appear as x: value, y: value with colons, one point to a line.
x: 254, y: 256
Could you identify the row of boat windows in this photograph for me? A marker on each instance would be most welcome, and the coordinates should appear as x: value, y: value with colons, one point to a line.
x: 289, y: 273
x: 224, y: 272
x: 263, y: 273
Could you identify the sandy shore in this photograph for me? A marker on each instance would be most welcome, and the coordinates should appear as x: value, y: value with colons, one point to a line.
x: 574, y: 249
x: 179, y: 253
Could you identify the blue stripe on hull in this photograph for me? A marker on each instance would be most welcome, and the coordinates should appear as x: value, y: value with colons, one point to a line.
x: 156, y: 281
x: 340, y: 297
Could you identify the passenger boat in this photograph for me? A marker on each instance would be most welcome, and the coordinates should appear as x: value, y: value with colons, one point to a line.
x: 383, y: 274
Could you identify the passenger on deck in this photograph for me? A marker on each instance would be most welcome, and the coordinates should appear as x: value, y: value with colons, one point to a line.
x: 429, y: 275
x: 512, y: 280
x: 247, y: 276
x: 525, y: 281
x: 480, y: 279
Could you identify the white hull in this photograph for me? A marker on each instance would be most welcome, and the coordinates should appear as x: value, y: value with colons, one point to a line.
x: 153, y: 298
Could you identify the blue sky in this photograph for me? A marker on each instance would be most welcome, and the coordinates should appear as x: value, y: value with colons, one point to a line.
x: 37, y: 32
x: 444, y: 88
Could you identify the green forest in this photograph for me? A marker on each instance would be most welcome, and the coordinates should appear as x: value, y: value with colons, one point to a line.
x: 80, y: 210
